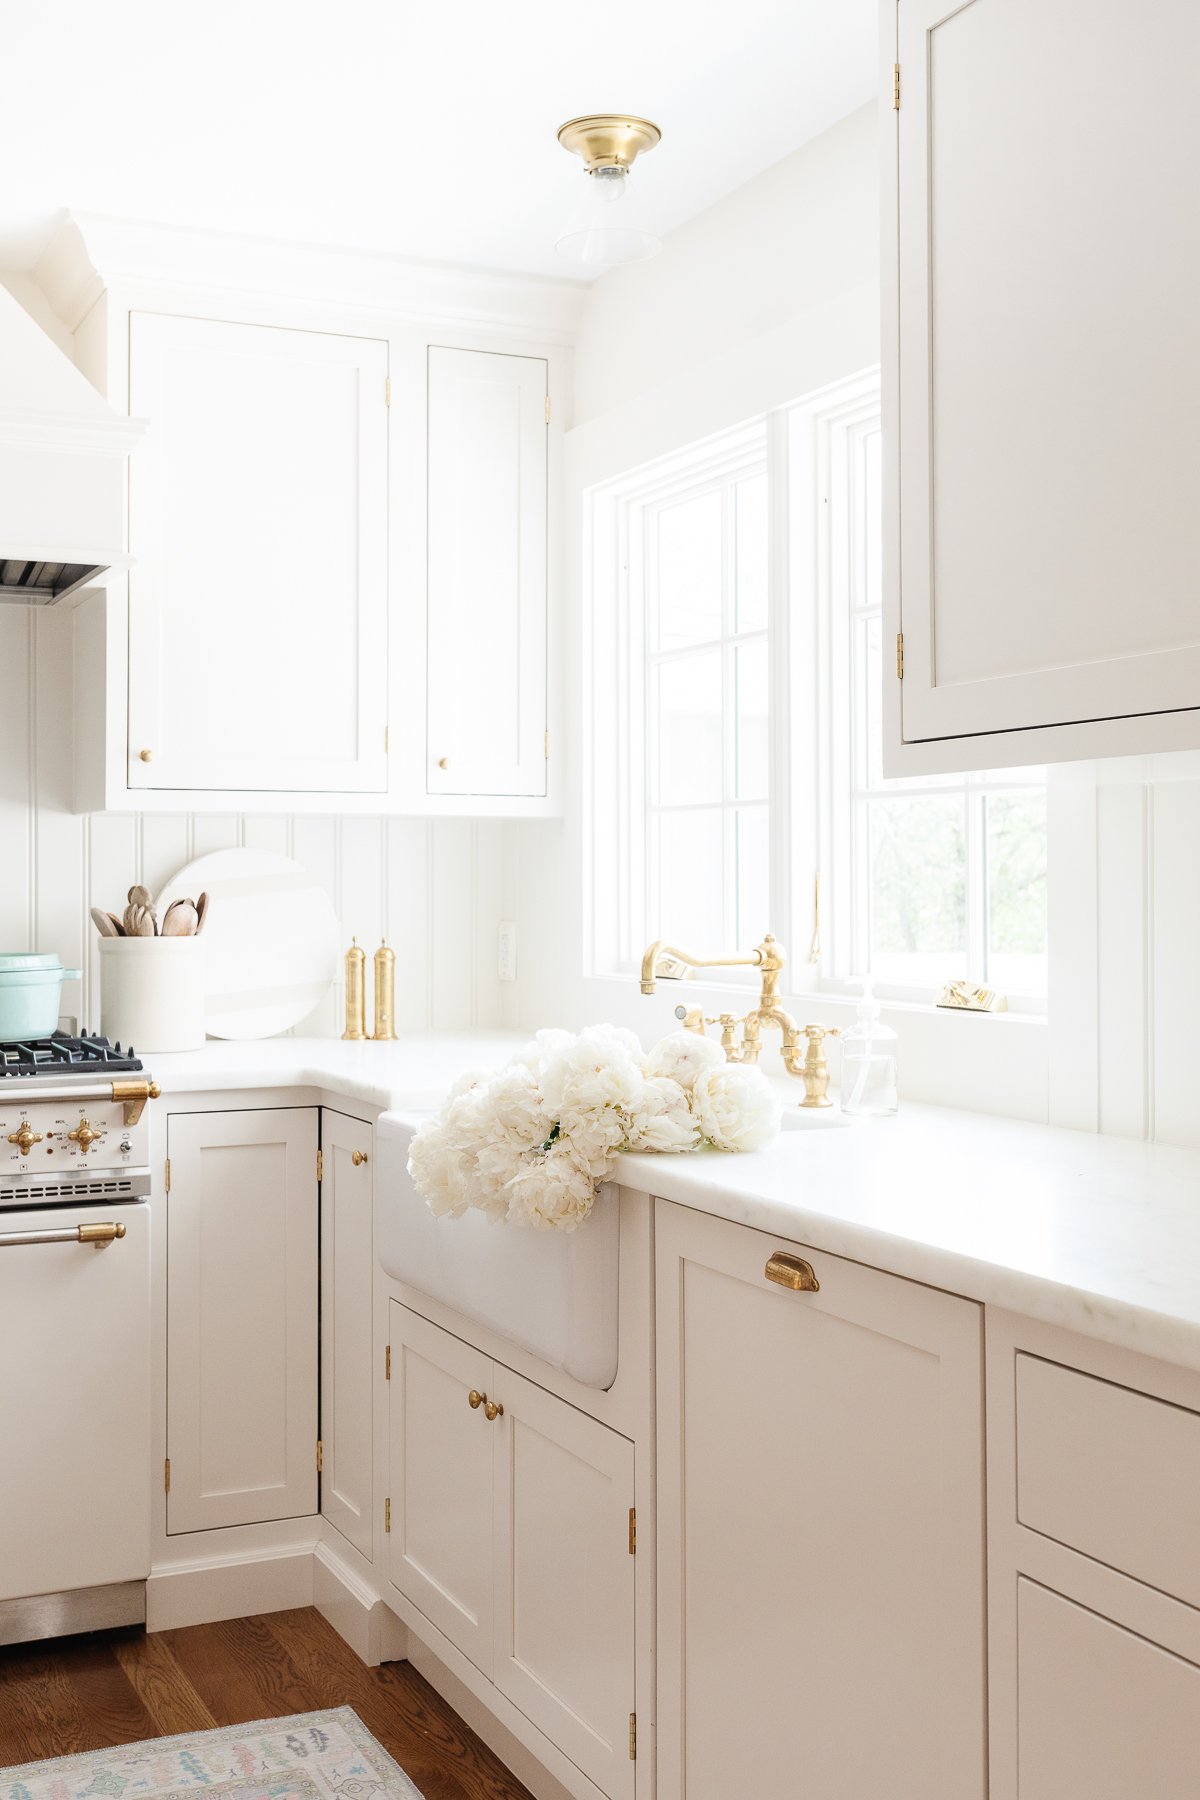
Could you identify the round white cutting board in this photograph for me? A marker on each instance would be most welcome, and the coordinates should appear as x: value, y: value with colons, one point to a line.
x: 270, y: 940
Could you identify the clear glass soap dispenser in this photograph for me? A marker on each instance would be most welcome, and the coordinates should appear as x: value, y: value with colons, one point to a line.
x: 869, y: 1060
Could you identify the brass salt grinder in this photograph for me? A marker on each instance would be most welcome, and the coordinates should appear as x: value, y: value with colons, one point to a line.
x: 385, y: 994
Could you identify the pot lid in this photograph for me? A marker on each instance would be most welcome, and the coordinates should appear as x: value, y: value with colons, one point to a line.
x: 23, y: 962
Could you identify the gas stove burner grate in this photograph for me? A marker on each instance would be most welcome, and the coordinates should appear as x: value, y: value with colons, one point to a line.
x: 84, y: 1055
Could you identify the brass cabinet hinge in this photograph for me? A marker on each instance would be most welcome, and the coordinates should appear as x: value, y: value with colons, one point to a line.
x: 320, y: 1456
x: 387, y: 391
x: 895, y: 87
x: 546, y: 745
x: 168, y: 1174
x: 633, y: 1737
x: 320, y: 1165
x: 633, y: 1531
x: 899, y: 656
x: 387, y: 1363
x: 387, y: 1515
x: 166, y: 1475
x: 385, y: 740
x: 547, y: 409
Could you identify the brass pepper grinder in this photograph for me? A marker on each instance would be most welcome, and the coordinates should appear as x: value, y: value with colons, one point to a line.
x: 356, y: 990
x: 385, y: 994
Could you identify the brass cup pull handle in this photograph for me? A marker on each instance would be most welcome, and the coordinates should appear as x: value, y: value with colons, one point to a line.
x: 493, y: 1410
x: 358, y: 1158
x: 475, y: 1399
x: 792, y: 1272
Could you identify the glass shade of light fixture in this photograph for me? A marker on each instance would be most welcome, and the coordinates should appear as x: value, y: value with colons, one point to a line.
x: 608, y: 223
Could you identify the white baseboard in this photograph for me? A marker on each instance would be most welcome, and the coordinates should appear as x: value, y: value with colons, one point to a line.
x: 228, y: 1586
x: 356, y: 1612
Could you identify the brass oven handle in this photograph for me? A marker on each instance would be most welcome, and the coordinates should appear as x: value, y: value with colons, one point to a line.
x: 65, y: 1234
x: 792, y: 1272
x: 475, y: 1399
x: 493, y: 1410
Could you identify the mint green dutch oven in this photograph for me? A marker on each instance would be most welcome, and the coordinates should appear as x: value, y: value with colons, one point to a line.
x: 30, y: 994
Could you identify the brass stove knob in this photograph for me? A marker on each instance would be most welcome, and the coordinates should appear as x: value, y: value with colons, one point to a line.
x: 85, y: 1135
x: 24, y: 1139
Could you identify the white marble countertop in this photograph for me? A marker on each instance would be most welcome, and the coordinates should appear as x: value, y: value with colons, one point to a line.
x: 1097, y: 1234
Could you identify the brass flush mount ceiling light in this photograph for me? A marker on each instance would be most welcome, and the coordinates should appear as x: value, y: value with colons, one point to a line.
x: 606, y: 225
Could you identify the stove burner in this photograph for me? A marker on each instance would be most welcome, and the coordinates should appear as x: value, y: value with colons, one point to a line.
x: 66, y: 1056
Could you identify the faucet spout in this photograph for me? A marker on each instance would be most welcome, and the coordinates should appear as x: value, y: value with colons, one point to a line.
x: 661, y: 948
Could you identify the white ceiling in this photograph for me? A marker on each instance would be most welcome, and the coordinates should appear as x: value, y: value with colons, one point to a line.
x: 423, y: 130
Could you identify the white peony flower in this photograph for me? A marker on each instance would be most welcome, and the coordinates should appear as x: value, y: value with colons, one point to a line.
x: 683, y: 1055
x: 736, y: 1107
x: 552, y: 1192
x: 597, y: 1070
x: 664, y: 1119
x: 533, y: 1054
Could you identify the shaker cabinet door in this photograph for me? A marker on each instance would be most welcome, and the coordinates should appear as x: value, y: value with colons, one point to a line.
x: 820, y: 1541
x: 258, y: 522
x: 347, y: 1359
x: 564, y: 1599
x: 486, y: 722
x: 440, y: 1554
x: 1042, y: 361
x: 241, y: 1317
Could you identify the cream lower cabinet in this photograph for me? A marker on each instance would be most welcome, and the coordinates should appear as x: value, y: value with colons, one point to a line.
x: 1094, y: 1577
x: 347, y: 1275
x: 511, y: 1533
x: 241, y: 1317
x: 820, y: 1541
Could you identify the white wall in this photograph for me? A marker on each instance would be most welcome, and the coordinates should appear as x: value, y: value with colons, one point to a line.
x: 432, y: 887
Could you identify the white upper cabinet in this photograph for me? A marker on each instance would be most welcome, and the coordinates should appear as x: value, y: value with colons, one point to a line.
x: 258, y: 522
x: 487, y: 595
x: 1042, y: 274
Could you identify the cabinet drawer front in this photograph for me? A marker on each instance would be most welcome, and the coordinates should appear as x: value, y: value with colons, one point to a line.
x: 1110, y: 1472
x: 1102, y: 1712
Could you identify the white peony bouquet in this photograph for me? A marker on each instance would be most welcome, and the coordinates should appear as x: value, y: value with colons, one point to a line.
x: 531, y: 1142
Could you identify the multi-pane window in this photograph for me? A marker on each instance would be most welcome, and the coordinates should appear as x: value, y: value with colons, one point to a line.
x: 704, y: 561
x: 920, y: 881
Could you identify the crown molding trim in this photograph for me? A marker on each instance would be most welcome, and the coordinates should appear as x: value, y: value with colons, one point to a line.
x: 90, y: 253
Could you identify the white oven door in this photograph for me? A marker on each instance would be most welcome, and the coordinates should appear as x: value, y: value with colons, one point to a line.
x: 74, y: 1400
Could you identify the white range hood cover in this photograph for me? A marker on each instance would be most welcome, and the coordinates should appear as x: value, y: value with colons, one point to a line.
x: 63, y: 452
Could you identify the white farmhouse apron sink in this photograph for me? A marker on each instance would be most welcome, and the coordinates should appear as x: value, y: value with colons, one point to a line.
x: 552, y: 1292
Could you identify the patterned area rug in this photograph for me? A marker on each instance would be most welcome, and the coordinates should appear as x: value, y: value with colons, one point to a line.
x: 312, y: 1756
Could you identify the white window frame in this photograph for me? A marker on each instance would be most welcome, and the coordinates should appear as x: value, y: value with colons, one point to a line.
x: 617, y: 736
x: 815, y: 825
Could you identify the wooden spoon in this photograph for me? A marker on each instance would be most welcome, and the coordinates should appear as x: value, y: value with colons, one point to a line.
x: 201, y: 913
x: 139, y: 914
x: 105, y: 924
x: 117, y: 925
x: 180, y: 919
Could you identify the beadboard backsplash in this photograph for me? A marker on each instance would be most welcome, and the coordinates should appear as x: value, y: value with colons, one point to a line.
x: 432, y: 887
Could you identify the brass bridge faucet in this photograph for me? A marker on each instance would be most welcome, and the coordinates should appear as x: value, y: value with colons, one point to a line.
x: 809, y: 1064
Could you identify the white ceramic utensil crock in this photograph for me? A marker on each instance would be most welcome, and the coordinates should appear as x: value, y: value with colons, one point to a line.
x: 152, y: 992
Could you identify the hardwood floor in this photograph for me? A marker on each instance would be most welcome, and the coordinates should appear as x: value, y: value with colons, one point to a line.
x: 116, y: 1687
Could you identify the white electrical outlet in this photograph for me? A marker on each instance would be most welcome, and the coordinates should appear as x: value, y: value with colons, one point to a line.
x: 506, y: 950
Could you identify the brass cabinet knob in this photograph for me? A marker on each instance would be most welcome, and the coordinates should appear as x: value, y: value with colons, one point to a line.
x: 146, y: 755
x: 475, y: 1399
x: 24, y: 1139
x: 443, y: 762
x: 85, y: 1135
x: 493, y: 1410
x: 792, y: 1272
x: 358, y: 1158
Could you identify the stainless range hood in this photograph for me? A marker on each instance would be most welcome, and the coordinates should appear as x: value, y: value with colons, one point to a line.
x: 63, y: 454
